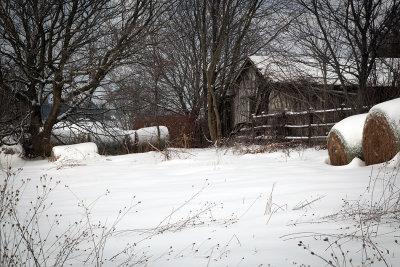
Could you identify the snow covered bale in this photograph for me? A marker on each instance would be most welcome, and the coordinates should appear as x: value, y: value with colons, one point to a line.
x: 381, y: 136
x: 149, y: 135
x: 345, y: 140
x: 74, y: 152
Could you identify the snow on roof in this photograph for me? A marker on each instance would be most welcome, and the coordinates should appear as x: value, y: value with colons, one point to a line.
x: 282, y: 69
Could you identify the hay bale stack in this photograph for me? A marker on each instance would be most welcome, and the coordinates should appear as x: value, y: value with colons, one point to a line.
x: 381, y: 138
x: 344, y: 140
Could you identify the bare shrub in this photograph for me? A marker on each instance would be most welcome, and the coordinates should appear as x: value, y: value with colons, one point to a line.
x: 34, y: 236
x: 270, y: 147
x: 184, y: 130
x: 376, y: 214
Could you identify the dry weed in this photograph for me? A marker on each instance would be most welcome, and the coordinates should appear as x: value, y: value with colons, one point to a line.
x: 376, y: 214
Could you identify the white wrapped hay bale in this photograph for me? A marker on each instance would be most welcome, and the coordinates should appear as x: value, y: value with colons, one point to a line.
x: 84, y: 131
x: 150, y: 135
x: 110, y: 140
x: 75, y: 152
x: 381, y: 136
x: 344, y: 140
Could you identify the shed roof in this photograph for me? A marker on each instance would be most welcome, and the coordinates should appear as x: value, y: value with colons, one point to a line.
x: 300, y: 68
x: 284, y: 69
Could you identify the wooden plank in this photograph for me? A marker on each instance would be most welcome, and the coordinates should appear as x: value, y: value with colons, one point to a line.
x: 296, y: 125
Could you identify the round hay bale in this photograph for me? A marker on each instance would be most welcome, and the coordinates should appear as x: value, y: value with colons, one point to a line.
x: 336, y: 150
x: 344, y: 140
x: 381, y: 136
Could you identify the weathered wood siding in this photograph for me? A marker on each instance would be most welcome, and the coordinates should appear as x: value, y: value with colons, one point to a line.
x: 279, y: 101
x: 245, y: 92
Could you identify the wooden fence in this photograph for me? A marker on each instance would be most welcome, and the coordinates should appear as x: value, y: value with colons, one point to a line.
x: 309, y: 126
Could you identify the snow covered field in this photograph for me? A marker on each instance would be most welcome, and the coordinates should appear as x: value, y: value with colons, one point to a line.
x: 218, y: 207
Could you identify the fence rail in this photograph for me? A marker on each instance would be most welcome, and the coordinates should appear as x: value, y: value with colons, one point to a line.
x: 311, y: 126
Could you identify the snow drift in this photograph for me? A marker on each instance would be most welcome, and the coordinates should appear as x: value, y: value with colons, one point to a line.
x: 212, y: 206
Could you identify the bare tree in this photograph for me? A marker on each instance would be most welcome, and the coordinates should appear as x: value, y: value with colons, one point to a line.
x: 199, y: 51
x: 345, y: 36
x: 227, y: 32
x: 61, y: 52
x: 207, y: 42
x: 173, y: 64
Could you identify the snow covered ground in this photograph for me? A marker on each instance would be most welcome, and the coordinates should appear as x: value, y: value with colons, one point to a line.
x: 218, y: 207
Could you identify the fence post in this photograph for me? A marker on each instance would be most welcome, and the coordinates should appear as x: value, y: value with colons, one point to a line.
x: 265, y: 122
x: 310, y: 122
x: 253, y: 134
x: 342, y: 115
x: 283, y: 125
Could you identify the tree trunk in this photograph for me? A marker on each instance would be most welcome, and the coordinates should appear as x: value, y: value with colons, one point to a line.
x: 361, y: 97
x: 217, y: 119
x: 211, y: 119
x: 362, y: 84
x: 41, y: 145
x: 156, y: 115
x: 34, y: 130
